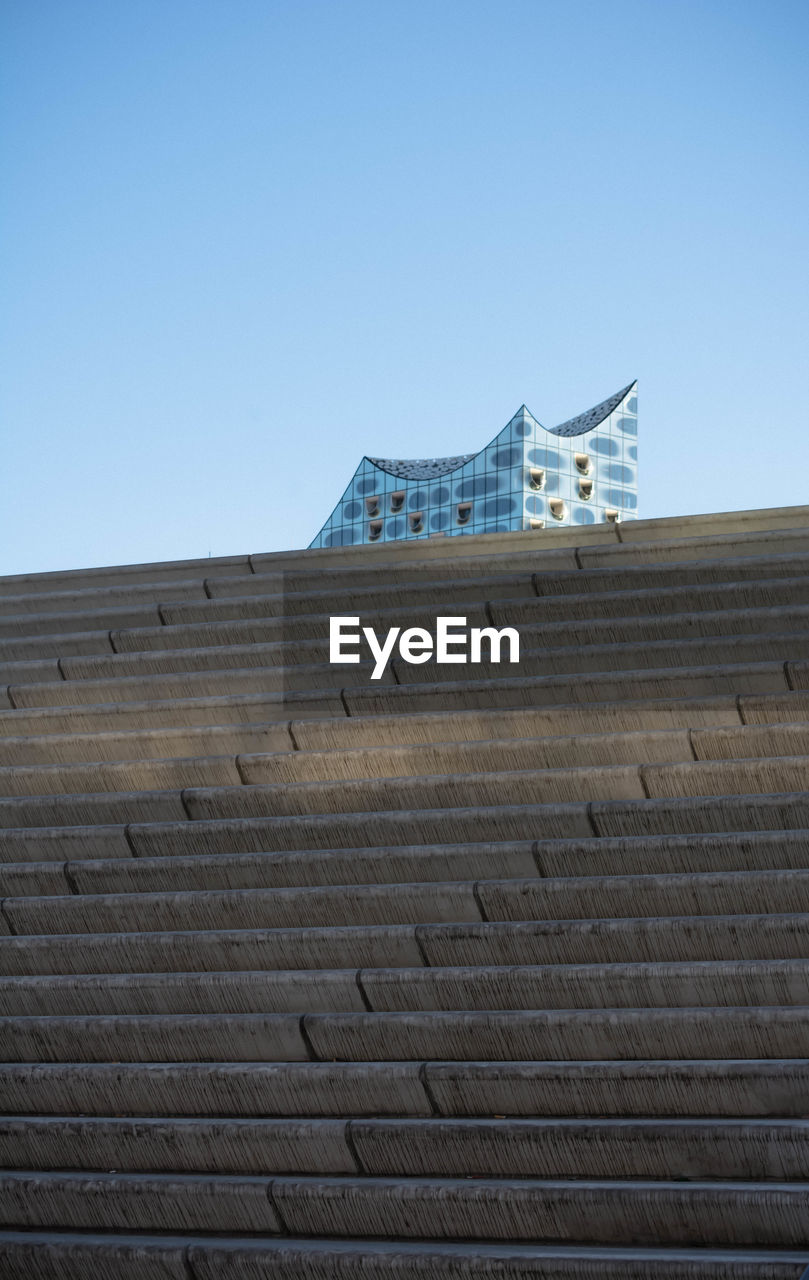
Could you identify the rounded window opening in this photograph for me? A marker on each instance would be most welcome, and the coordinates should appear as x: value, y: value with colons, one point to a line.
x: 374, y: 530
x: 536, y: 524
x: 557, y: 508
x: 585, y: 490
x: 397, y: 500
x: 464, y: 512
x: 582, y: 461
x: 612, y: 515
x: 372, y: 505
x: 416, y: 521
x: 536, y: 477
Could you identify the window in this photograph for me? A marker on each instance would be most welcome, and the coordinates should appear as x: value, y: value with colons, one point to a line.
x: 416, y: 521
x: 557, y: 508
x: 374, y: 530
x: 582, y: 461
x: 464, y: 512
x: 536, y: 524
x: 613, y: 516
x: 372, y: 505
x: 585, y: 489
x: 397, y: 500
x: 537, y: 477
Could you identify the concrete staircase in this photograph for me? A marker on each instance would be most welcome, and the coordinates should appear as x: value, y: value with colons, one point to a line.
x: 459, y: 972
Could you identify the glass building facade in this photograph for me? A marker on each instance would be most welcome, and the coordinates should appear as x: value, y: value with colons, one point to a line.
x: 584, y: 471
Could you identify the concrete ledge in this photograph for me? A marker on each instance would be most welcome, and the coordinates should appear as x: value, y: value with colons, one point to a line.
x: 26, y: 625
x: 175, y: 1145
x: 216, y: 1088
x: 650, y: 855
x: 343, y: 905
x: 702, y: 814
x: 144, y: 744
x: 152, y: 1038
x: 726, y: 777
x: 59, y: 1256
x: 741, y: 1087
x: 707, y: 1213
x: 121, y: 575
x: 171, y: 713
x: 527, y: 721
x: 442, y: 791
x: 598, y: 986
x: 508, y: 691
x: 25, y: 879
x: 686, y: 893
x: 119, y: 775
x: 378, y: 1260
x: 57, y: 844
x: 671, y: 1149
x: 274, y: 991
x: 490, y: 756
x: 219, y: 950
x: 779, y: 541
x: 651, y: 938
x: 136, y: 1201
x: 103, y: 808
x: 563, y: 1033
x: 85, y: 1256
x: 353, y: 830
x: 387, y: 864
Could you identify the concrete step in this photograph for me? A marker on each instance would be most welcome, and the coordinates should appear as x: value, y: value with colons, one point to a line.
x: 170, y: 713
x: 583, y: 1034
x: 69, y: 1255
x: 663, y: 1087
x: 672, y: 817
x: 281, y: 908
x: 784, y: 595
x: 90, y: 600
x: 635, y: 1212
x: 49, y: 687
x: 498, y: 943
x: 587, y: 687
x: 307, y: 1089
x: 391, y: 864
x: 677, y: 1213
x: 161, y: 650
x: 732, y: 742
x: 493, y: 755
x: 569, y: 898
x: 761, y: 1150
x: 121, y: 575
x: 529, y: 721
x: 384, y: 865
x: 651, y: 855
x: 527, y: 786
x: 143, y: 744
x: 195, y: 684
x: 256, y: 798
x: 508, y: 713
x: 655, y: 985
x: 637, y: 656
x: 287, y: 765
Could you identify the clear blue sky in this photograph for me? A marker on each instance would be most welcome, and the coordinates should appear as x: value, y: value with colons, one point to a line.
x: 246, y: 241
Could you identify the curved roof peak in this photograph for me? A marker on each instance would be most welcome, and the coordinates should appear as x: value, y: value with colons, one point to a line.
x: 420, y: 468
x: 592, y: 417
x: 431, y: 468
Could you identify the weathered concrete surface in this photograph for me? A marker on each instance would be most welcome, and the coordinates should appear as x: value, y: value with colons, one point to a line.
x: 507, y: 968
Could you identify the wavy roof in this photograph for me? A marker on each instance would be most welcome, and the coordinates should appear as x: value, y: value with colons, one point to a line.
x: 421, y: 468
x: 430, y: 468
x: 586, y: 421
